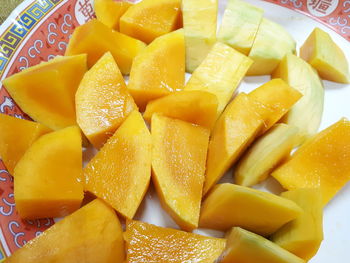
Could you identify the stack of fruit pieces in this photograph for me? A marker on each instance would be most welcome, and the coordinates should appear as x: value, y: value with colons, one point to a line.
x: 197, y: 133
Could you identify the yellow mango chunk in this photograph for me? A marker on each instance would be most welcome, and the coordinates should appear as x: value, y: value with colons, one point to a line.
x: 149, y: 19
x: 199, y: 22
x: 240, y: 25
x: 102, y: 101
x: 234, y: 131
x: 198, y: 107
x: 271, y: 44
x: 306, y: 114
x: 120, y: 172
x: 149, y: 243
x: 265, y: 154
x: 109, y: 12
x: 229, y: 205
x: 159, y: 69
x: 303, y: 235
x: 46, y: 91
x: 48, y: 176
x: 323, y: 161
x: 246, y: 247
x: 91, y: 234
x: 274, y: 99
x: 325, y: 56
x: 95, y: 39
x: 178, y: 164
x: 220, y: 73
x: 16, y: 136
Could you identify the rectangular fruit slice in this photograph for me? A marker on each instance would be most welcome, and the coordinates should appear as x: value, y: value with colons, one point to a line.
x: 121, y: 171
x: 91, y: 234
x: 229, y: 205
x: 178, y: 163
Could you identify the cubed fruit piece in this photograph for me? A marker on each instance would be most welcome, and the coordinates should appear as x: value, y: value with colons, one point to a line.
x: 149, y: 243
x: 234, y: 131
x: 110, y: 11
x: 271, y: 44
x: 323, y: 161
x: 16, y: 136
x: 240, y: 25
x: 229, y: 205
x: 159, y: 69
x: 199, y: 21
x: 48, y: 176
x: 120, y: 172
x: 220, y: 73
x: 149, y: 19
x: 303, y: 235
x: 46, y: 91
x: 92, y: 234
x: 325, y: 56
x: 178, y: 164
x: 102, y: 101
x: 95, y: 39
x: 306, y: 114
x: 273, y: 100
x: 265, y: 154
x: 198, y: 107
x: 246, y: 247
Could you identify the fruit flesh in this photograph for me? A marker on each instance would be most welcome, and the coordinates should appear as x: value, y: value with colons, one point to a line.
x: 121, y: 170
x: 178, y: 164
x: 109, y: 12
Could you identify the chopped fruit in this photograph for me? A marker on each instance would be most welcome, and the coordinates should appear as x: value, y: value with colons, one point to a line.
x: 16, y: 136
x: 326, y: 57
x: 234, y: 131
x: 323, y: 161
x: 110, y: 11
x: 149, y: 243
x: 240, y: 25
x: 150, y: 19
x: 159, y: 69
x: 265, y: 154
x: 198, y: 107
x: 246, y: 247
x: 102, y: 101
x: 229, y: 205
x: 220, y: 73
x: 306, y: 114
x: 120, y: 172
x: 178, y: 164
x: 271, y: 44
x: 199, y: 21
x: 91, y: 234
x: 48, y: 177
x: 46, y: 91
x: 303, y: 235
x: 95, y: 39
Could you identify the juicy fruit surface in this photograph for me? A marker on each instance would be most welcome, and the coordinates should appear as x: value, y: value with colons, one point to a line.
x: 48, y: 176
x: 109, y: 12
x: 323, y: 162
x: 120, y: 172
x: 178, y: 163
x: 149, y: 243
x: 91, y: 234
x: 102, y: 101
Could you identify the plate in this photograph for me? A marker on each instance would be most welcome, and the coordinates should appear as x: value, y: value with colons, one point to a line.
x: 37, y: 30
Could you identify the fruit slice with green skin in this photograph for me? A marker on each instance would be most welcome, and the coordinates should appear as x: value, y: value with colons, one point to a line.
x: 199, y: 21
x: 246, y: 247
x: 271, y: 44
x: 325, y: 56
x: 306, y: 114
x: 303, y: 235
x: 240, y: 25
x: 220, y: 73
x: 265, y: 154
